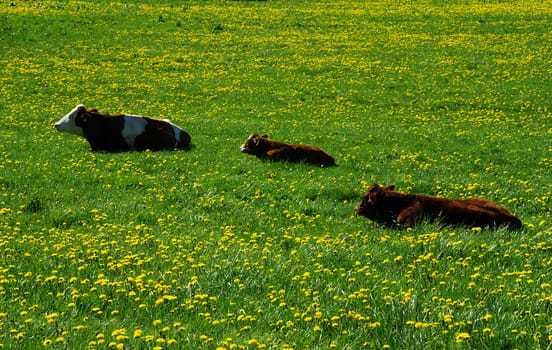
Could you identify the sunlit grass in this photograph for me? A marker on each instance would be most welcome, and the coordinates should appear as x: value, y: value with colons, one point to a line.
x: 213, y: 249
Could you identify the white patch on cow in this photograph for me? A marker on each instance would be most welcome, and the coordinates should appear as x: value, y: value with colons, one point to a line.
x: 133, y: 126
x: 67, y: 123
x: 176, y: 129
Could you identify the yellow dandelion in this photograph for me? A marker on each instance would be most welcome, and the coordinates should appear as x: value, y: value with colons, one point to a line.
x: 487, y: 317
x: 461, y: 337
x: 4, y: 211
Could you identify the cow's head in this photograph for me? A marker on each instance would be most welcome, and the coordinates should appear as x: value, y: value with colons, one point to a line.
x: 72, y: 122
x: 371, y: 205
x: 254, y: 144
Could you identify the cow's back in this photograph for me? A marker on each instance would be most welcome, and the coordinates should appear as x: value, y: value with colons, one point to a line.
x: 316, y: 155
x: 478, y: 212
x: 302, y: 153
x: 157, y: 134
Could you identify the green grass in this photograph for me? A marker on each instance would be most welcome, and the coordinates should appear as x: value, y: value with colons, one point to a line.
x: 215, y: 249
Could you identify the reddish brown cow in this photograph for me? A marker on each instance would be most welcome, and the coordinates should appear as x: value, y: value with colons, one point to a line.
x: 391, y: 208
x: 264, y: 148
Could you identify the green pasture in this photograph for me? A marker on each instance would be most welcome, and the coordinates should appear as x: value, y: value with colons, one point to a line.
x: 215, y: 249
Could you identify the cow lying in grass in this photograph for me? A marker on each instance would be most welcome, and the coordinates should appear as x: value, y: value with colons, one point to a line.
x: 391, y: 208
x: 113, y: 133
x: 264, y: 148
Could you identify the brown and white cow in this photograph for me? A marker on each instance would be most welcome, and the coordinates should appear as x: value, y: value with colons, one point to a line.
x: 123, y: 132
x: 264, y: 148
x: 395, y: 209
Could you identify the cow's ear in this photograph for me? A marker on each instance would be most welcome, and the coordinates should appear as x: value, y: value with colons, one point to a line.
x: 390, y: 187
x: 373, y: 188
x: 94, y: 110
x: 265, y: 136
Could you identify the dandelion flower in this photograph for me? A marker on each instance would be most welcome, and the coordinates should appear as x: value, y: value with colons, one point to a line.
x: 461, y: 337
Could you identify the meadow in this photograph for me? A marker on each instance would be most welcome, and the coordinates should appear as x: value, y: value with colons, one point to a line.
x: 214, y: 249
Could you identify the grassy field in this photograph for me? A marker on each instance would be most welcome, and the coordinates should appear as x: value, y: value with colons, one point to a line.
x: 215, y: 249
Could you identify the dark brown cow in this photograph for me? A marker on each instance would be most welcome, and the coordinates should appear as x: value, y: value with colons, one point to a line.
x: 124, y: 132
x: 395, y: 209
x: 264, y: 148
